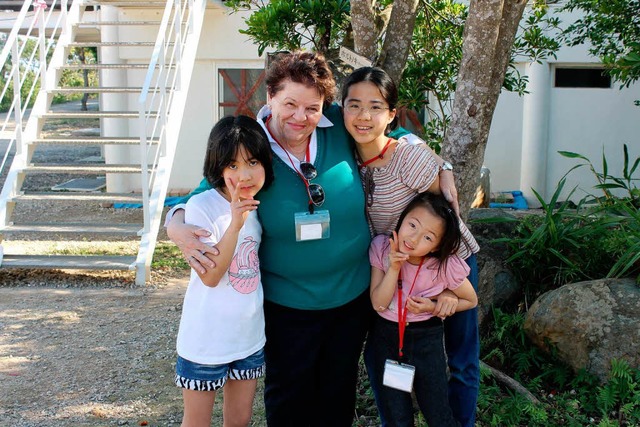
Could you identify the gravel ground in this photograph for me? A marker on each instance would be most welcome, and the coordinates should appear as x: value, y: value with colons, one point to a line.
x: 88, y: 349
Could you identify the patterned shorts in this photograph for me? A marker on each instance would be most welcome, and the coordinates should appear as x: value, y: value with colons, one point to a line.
x: 194, y: 376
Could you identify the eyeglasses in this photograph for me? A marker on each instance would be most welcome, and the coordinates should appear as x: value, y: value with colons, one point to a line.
x: 315, y: 191
x: 373, y: 111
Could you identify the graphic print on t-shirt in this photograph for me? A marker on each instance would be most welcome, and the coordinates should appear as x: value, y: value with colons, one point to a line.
x: 245, y: 268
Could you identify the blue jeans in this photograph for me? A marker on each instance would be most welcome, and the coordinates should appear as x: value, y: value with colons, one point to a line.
x: 423, y: 349
x: 462, y: 343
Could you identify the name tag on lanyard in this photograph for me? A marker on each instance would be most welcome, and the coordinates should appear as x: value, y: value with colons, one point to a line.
x: 398, y: 375
x: 312, y: 226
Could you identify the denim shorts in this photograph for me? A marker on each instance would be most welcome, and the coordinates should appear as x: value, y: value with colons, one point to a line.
x: 194, y: 376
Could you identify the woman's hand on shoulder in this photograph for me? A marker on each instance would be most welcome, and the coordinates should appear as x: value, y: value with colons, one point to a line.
x: 449, y: 190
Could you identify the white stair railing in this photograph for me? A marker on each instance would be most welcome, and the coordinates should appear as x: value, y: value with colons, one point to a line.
x: 171, y: 66
x: 24, y: 75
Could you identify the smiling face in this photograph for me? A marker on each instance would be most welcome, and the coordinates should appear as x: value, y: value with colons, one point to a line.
x: 367, y: 113
x: 420, y: 233
x: 247, y: 171
x: 296, y: 110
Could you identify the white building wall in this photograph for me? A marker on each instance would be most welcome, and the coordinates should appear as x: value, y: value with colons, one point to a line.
x: 221, y: 46
x: 582, y: 120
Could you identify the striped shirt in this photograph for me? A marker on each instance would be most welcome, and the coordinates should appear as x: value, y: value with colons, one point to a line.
x: 411, y: 170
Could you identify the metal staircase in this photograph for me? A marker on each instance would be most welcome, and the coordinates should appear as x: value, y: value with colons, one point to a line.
x: 137, y: 143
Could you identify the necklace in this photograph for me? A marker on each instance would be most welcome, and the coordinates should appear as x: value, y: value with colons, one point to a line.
x: 379, y: 156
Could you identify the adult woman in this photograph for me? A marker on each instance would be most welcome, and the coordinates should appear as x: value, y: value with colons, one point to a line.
x: 313, y: 254
x: 393, y: 172
x: 315, y: 269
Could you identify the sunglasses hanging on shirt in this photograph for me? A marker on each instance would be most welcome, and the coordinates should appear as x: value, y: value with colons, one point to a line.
x: 314, y: 224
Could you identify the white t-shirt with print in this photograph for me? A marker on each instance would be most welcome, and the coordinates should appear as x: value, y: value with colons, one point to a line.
x: 223, y: 323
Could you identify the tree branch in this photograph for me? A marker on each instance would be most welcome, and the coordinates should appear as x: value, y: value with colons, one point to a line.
x: 511, y: 383
x: 397, y: 40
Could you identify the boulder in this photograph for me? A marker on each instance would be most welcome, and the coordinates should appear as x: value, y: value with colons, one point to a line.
x: 589, y: 324
x: 497, y: 285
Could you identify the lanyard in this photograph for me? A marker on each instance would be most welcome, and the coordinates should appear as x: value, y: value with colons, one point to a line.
x: 379, y: 156
x: 307, y: 158
x: 402, y: 308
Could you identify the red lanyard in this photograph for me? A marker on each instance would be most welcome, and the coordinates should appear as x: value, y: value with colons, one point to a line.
x: 402, y: 308
x: 379, y: 156
x: 307, y: 157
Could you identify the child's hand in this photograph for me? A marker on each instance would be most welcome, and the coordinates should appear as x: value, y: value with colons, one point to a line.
x: 396, y: 258
x: 418, y: 305
x: 240, y: 208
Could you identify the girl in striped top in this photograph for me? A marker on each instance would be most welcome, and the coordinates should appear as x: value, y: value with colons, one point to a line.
x: 393, y: 172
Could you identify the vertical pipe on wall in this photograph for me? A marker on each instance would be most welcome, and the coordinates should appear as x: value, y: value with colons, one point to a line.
x: 535, y: 133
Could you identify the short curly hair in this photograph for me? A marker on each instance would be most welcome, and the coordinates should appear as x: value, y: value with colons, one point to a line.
x: 308, y: 68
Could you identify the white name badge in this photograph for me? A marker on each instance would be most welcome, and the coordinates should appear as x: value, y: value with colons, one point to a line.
x: 398, y: 375
x: 312, y: 226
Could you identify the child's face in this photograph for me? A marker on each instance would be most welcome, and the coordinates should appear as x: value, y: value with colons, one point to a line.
x: 420, y: 233
x: 369, y: 122
x: 247, y: 171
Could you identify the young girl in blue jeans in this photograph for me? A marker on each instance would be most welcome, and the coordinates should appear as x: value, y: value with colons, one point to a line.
x: 407, y: 270
x: 221, y: 336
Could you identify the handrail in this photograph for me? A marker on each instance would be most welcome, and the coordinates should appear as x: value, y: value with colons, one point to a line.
x: 163, y: 72
x: 16, y: 46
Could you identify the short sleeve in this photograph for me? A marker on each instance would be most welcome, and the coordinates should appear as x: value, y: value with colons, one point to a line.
x: 199, y: 214
x: 455, y: 272
x: 378, y: 252
x: 418, y: 165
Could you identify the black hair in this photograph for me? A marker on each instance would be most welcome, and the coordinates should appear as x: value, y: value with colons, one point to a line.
x: 438, y: 205
x: 383, y: 82
x: 225, y: 139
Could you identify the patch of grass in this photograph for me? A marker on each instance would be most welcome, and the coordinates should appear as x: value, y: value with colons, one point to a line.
x: 167, y: 256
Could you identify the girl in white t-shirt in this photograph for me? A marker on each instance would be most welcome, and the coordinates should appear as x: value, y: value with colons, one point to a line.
x: 408, y: 271
x: 221, y: 336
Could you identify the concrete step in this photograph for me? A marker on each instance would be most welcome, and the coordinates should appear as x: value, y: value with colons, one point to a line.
x: 112, y: 44
x: 135, y: 4
x: 96, y: 114
x: 107, y: 140
x: 73, y: 168
x: 71, y: 262
x: 108, y: 66
x: 72, y: 228
x: 96, y: 89
x: 73, y: 196
x: 84, y: 24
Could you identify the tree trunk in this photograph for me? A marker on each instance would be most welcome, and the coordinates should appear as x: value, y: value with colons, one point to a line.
x: 397, y: 41
x: 363, y: 23
x: 85, y: 78
x: 489, y: 34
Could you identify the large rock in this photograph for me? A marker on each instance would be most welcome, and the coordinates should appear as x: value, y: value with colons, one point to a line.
x: 497, y: 285
x: 589, y: 323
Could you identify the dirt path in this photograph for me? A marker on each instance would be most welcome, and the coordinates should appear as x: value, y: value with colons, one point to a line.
x: 73, y: 356
x: 90, y: 357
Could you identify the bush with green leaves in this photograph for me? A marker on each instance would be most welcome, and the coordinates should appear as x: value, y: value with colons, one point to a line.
x: 599, y: 237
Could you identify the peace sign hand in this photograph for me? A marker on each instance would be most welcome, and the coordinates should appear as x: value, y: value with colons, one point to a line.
x: 396, y: 258
x: 240, y: 208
